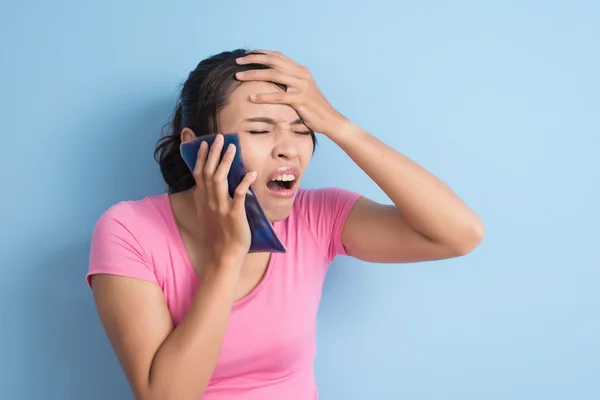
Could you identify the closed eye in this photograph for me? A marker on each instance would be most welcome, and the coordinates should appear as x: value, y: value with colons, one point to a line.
x: 262, y: 132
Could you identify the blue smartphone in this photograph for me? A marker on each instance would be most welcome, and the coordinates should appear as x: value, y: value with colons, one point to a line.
x: 264, y: 238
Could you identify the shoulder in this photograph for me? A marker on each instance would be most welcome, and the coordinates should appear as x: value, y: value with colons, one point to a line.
x: 323, y: 212
x: 326, y: 202
x: 133, y: 217
x: 136, y: 214
x: 124, y: 236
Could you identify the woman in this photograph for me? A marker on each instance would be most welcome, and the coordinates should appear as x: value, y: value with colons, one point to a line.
x: 189, y: 312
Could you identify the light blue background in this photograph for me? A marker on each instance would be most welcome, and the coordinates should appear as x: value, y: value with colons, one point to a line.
x: 498, y: 98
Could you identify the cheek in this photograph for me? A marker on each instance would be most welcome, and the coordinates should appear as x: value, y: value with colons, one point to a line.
x: 306, y: 153
x: 254, y: 153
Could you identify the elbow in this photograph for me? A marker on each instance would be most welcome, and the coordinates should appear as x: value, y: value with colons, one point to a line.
x: 169, y: 392
x: 470, y: 239
x: 170, y: 395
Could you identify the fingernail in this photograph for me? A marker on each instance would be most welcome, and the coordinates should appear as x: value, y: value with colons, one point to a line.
x: 219, y: 139
x: 253, y: 97
x: 239, y: 75
x: 203, y: 145
x: 230, y: 148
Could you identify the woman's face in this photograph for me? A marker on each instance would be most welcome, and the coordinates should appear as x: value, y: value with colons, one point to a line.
x: 275, y: 143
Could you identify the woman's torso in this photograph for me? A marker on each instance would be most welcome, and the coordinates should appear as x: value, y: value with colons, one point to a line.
x: 269, y: 346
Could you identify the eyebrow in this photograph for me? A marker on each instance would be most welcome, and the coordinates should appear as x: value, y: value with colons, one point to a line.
x: 271, y: 121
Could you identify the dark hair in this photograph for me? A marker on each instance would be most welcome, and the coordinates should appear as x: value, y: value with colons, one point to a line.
x: 204, y: 93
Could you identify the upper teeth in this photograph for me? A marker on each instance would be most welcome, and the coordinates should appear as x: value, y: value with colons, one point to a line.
x: 284, y: 177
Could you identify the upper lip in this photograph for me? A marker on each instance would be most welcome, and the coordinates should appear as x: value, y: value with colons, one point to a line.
x: 285, y: 170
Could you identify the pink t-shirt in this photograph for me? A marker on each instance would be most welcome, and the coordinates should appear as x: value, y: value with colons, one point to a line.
x: 269, y: 346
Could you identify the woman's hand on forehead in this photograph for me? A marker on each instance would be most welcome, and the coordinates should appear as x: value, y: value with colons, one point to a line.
x: 302, y: 93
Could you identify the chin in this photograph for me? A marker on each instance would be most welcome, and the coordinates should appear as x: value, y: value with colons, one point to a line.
x: 275, y: 210
x: 278, y: 216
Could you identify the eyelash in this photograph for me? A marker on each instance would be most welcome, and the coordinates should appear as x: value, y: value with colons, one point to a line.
x: 263, y: 132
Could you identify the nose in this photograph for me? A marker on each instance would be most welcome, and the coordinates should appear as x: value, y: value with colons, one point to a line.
x: 285, y: 147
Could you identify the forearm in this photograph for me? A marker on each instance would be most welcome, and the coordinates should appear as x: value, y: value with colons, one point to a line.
x: 428, y: 205
x: 186, y: 360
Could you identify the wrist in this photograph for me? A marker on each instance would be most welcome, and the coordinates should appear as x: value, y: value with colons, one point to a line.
x: 335, y: 125
x: 223, y: 267
x: 218, y: 283
x: 344, y: 131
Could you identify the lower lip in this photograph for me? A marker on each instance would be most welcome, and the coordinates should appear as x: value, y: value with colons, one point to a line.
x: 283, y: 193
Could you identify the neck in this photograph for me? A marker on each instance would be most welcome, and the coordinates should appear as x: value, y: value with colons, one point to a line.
x: 184, y: 209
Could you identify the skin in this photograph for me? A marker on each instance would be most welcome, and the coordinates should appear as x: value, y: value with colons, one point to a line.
x: 426, y: 221
x: 286, y: 142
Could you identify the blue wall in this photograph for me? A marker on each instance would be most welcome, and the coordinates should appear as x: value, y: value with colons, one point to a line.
x: 500, y: 99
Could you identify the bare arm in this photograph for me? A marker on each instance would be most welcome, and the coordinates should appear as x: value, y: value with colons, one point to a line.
x: 162, y: 363
x: 427, y: 220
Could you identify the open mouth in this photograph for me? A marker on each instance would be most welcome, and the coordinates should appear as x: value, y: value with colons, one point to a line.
x: 282, y: 182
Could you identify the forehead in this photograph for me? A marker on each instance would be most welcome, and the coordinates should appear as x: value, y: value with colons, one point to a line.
x: 240, y: 107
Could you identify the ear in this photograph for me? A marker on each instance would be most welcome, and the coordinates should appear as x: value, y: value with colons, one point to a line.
x: 187, y: 135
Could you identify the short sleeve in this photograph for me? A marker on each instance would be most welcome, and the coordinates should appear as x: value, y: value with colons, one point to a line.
x: 115, y: 248
x: 326, y: 211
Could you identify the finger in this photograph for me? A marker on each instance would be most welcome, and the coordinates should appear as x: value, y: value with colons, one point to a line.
x: 275, y: 98
x: 269, y: 75
x: 265, y: 51
x: 239, y: 196
x: 277, y: 60
x: 220, y: 179
x: 214, y: 156
x: 199, y: 167
x: 272, y: 53
x: 270, y: 60
x: 212, y: 161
